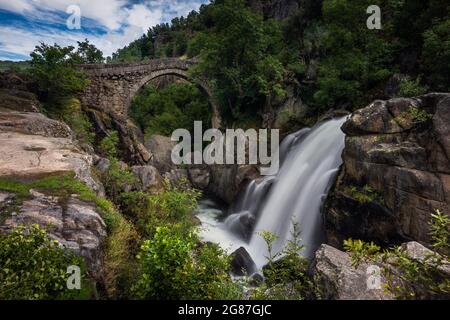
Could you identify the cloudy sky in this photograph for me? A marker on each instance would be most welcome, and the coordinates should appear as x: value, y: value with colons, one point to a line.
x: 109, y: 24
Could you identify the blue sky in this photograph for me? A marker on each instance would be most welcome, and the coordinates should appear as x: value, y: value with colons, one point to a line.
x: 109, y: 24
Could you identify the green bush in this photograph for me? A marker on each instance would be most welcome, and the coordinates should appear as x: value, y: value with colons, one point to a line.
x: 33, y: 266
x: 77, y: 120
x: 407, y: 277
x: 109, y: 144
x: 411, y: 88
x: 286, y: 273
x: 173, y: 267
x: 172, y: 205
x: 440, y: 232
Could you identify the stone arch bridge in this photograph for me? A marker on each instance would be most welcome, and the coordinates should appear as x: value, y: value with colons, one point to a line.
x: 113, y: 86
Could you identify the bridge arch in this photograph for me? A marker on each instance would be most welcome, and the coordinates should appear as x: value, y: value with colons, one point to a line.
x: 113, y: 86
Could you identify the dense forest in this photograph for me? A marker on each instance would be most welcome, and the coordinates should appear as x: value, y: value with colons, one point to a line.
x: 324, y: 50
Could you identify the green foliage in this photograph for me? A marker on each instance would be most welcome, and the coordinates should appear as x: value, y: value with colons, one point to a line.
x: 117, y: 178
x: 436, y: 54
x: 360, y: 250
x: 440, y: 232
x: 77, y: 120
x: 286, y: 273
x: 419, y: 115
x: 173, y: 266
x: 108, y: 146
x: 87, y: 53
x: 244, y: 70
x: 34, y: 267
x: 411, y: 88
x: 409, y: 277
x: 365, y: 195
x: 172, y: 205
x: 324, y: 49
x: 52, y: 68
x: 175, y: 106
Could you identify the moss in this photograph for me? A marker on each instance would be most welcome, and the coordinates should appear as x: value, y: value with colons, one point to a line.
x: 365, y: 195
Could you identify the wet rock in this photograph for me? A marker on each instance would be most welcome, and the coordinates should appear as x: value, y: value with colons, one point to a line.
x: 241, y: 263
x: 178, y: 178
x: 227, y: 180
x: 199, y: 178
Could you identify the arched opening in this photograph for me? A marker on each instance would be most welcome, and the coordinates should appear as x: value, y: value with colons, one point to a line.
x: 169, y: 101
x: 203, y: 88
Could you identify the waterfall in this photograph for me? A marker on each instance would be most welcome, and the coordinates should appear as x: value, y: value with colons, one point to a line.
x: 309, y: 161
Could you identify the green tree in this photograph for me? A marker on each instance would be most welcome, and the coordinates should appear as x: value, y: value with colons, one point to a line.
x: 34, y: 267
x: 175, y: 106
x: 238, y: 56
x: 57, y: 79
x: 88, y: 53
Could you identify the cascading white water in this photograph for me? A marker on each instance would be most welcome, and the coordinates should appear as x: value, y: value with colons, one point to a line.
x: 298, y: 192
x: 309, y: 161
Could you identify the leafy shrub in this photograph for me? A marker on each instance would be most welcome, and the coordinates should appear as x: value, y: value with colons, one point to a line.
x: 419, y: 115
x: 440, y: 232
x: 411, y: 88
x: 173, y: 266
x: 172, y: 205
x: 407, y: 277
x: 108, y: 146
x: 52, y: 67
x: 360, y: 250
x: 33, y: 266
x: 78, y: 121
x: 286, y: 276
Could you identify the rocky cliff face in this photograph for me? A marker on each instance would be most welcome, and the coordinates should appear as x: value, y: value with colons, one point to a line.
x: 396, y: 171
x: 34, y: 147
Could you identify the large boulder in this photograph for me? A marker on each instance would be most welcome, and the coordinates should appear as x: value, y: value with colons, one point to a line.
x: 242, y: 263
x: 75, y: 224
x: 199, y: 177
x: 31, y: 145
x: 338, y: 279
x: 226, y: 181
x: 147, y: 177
x: 396, y: 171
x: 33, y: 124
x: 161, y: 149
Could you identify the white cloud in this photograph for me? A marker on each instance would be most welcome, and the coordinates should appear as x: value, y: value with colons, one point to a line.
x: 141, y: 16
x: 123, y: 23
x: 23, y: 42
x: 19, y: 6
